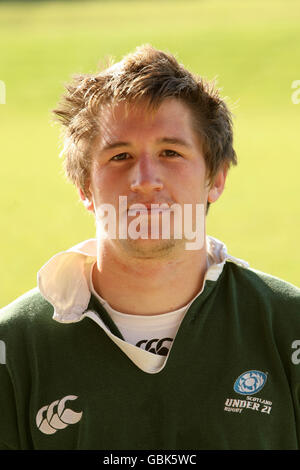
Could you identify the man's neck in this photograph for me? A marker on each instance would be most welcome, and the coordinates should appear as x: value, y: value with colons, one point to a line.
x: 149, y: 286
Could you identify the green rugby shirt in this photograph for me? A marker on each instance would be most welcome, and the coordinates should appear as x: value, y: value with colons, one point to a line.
x: 231, y: 380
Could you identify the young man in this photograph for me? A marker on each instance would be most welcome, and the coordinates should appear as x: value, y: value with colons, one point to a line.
x: 150, y: 341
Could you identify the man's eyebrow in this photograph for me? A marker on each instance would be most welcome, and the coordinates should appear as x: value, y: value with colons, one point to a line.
x: 174, y: 140
x: 163, y: 140
x: 113, y: 145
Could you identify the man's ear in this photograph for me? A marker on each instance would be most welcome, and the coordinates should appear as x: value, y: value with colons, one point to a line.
x: 86, y: 199
x: 218, y: 185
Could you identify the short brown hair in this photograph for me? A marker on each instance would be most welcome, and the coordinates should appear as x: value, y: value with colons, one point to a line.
x: 146, y: 74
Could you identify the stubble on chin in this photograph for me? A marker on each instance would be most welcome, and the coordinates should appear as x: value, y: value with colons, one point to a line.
x: 151, y: 249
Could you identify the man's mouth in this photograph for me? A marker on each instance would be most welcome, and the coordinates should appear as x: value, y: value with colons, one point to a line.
x: 148, y: 208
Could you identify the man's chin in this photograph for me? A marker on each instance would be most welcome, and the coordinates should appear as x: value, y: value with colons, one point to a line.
x: 150, y: 248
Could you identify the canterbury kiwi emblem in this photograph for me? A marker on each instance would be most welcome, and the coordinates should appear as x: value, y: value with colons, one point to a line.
x: 51, y: 418
x: 160, y: 348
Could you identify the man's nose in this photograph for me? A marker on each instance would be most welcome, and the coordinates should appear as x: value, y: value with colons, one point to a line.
x: 146, y: 177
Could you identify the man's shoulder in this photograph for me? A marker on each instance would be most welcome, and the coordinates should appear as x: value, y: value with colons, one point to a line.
x: 30, y: 306
x: 266, y: 286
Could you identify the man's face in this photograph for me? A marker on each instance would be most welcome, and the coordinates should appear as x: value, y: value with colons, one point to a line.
x: 149, y: 158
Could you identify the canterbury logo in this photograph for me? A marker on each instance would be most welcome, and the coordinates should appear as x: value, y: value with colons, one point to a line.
x: 159, y: 348
x: 55, y: 416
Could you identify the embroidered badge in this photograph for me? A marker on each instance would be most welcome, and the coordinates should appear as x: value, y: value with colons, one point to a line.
x: 250, y: 382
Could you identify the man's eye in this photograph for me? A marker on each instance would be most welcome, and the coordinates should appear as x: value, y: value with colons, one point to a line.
x: 171, y: 153
x: 120, y: 157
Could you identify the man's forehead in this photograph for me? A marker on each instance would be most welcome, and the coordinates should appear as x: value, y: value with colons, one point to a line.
x: 120, y: 111
x: 171, y: 116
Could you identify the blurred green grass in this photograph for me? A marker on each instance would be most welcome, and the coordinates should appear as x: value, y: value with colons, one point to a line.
x: 252, y: 47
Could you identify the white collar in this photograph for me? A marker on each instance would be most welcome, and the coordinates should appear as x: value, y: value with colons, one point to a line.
x: 64, y: 279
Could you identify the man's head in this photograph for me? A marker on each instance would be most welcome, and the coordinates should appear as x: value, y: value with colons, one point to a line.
x: 150, y: 76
